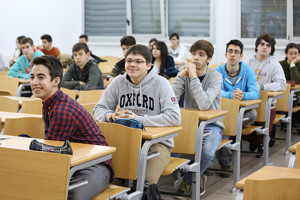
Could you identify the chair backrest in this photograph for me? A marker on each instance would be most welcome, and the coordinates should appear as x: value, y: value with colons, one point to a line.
x: 90, y: 96
x: 8, y: 85
x: 32, y: 107
x: 297, y: 161
x: 3, y: 73
x: 261, y: 109
x: 33, y: 174
x: 32, y: 126
x: 189, y: 124
x: 89, y: 107
x: 71, y: 93
x: 282, y: 104
x: 128, y: 144
x: 232, y: 106
x: 8, y: 105
x: 106, y: 67
x: 275, y: 189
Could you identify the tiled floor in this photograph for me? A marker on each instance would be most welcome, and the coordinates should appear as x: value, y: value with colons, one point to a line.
x: 220, y: 188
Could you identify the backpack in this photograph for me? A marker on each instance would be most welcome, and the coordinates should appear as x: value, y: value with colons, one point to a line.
x: 151, y: 192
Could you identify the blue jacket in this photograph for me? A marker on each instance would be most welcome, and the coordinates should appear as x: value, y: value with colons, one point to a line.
x: 170, y: 71
x: 246, y: 82
x: 23, y: 65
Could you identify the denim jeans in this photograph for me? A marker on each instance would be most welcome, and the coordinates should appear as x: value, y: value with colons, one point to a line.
x: 209, y: 147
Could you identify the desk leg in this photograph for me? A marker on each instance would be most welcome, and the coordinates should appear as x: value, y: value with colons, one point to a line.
x: 292, y: 160
x: 266, y: 132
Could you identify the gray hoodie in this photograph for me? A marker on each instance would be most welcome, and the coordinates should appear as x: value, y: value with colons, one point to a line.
x: 204, y: 96
x: 268, y: 73
x: 152, y: 100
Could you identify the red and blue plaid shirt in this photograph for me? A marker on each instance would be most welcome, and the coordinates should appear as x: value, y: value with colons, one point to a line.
x: 65, y: 119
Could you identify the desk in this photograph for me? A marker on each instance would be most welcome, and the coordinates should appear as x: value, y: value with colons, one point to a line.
x: 21, y: 99
x: 4, y: 115
x: 84, y: 155
x: 152, y: 135
x: 292, y: 158
x: 266, y: 173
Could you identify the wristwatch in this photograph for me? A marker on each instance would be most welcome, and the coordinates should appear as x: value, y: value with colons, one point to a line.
x: 262, y: 87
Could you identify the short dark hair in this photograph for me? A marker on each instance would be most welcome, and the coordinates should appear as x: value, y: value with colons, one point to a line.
x: 52, y: 63
x: 46, y: 37
x: 84, y: 36
x: 78, y: 46
x: 203, y: 45
x: 235, y: 43
x: 26, y: 40
x: 268, y: 38
x: 141, y: 50
x: 128, y: 40
x: 152, y: 40
x: 20, y: 38
x: 174, y: 35
x: 291, y: 46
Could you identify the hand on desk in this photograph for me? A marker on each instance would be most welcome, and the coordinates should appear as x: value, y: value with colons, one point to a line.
x: 123, y: 114
x: 238, y: 94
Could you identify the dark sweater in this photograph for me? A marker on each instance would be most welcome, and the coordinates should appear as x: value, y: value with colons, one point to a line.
x: 291, y: 73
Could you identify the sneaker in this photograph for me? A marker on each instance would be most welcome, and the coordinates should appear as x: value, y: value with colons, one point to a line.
x: 184, y: 187
x: 224, y: 168
x: 253, y: 147
x: 272, y: 142
x: 203, y: 184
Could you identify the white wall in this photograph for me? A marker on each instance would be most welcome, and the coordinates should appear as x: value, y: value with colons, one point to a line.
x: 63, y: 20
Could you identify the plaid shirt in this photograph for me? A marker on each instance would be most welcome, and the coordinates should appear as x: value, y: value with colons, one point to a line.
x: 65, y: 119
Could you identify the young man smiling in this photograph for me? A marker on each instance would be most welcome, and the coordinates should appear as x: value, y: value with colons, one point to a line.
x: 239, y: 82
x: 84, y: 74
x: 66, y: 119
x: 201, y: 87
x: 142, y: 95
x: 23, y: 64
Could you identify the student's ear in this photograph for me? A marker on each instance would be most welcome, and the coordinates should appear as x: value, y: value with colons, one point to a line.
x: 56, y: 81
x: 208, y: 60
x: 242, y: 56
x: 149, y: 65
x: 225, y: 54
x: 89, y: 54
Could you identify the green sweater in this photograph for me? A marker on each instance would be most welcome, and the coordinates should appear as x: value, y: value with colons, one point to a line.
x: 291, y: 73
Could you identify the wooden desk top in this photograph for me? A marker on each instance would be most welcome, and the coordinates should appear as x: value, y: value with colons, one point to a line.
x: 4, y: 115
x: 21, y: 99
x: 156, y: 132
x: 22, y: 80
x: 292, y: 148
x: 81, y: 152
x: 246, y: 103
x: 295, y: 87
x: 275, y: 94
x: 270, y: 172
x: 207, y: 114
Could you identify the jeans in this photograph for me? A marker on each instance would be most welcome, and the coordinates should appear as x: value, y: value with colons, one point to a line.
x: 209, y: 147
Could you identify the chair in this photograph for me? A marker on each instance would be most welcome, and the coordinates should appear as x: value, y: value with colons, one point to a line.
x: 32, y: 107
x: 32, y: 126
x: 71, y: 93
x: 3, y: 73
x: 285, y: 104
x: 106, y: 67
x: 126, y: 158
x: 8, y: 105
x: 89, y: 107
x: 90, y: 96
x: 275, y: 189
x: 8, y: 85
x: 33, y: 175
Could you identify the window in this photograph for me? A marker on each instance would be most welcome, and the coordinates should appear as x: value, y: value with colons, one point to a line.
x: 190, y: 18
x: 296, y: 18
x: 263, y: 16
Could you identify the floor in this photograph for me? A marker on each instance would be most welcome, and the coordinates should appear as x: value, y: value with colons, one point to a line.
x: 220, y: 188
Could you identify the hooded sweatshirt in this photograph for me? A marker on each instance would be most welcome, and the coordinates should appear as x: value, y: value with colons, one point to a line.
x: 152, y: 100
x: 205, y: 95
x: 268, y: 73
x: 246, y: 82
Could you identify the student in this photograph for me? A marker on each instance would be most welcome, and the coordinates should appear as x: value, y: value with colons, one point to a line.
x: 201, y: 87
x: 48, y: 49
x: 84, y: 39
x: 163, y: 63
x: 269, y: 76
x: 146, y: 97
x: 23, y: 63
x: 18, y: 51
x: 177, y: 51
x: 151, y: 43
x: 66, y: 119
x: 84, y: 74
x: 239, y: 82
x: 119, y: 68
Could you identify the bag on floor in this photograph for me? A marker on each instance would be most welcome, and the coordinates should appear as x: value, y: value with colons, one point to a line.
x: 151, y: 192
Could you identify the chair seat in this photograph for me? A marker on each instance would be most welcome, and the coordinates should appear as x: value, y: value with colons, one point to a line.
x: 175, y: 163
x: 110, y: 191
x: 295, y: 109
x: 224, y: 143
x: 292, y: 148
x: 249, y: 130
x: 278, y: 117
